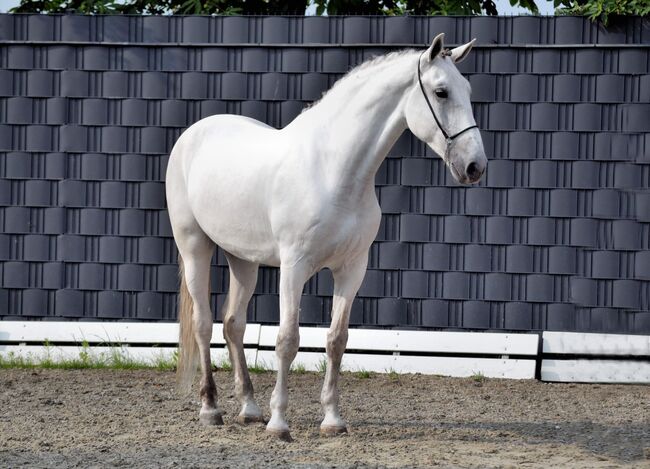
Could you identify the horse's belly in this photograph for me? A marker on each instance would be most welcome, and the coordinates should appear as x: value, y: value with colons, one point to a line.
x: 243, y: 236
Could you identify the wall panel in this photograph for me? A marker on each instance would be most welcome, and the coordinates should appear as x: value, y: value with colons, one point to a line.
x: 555, y: 237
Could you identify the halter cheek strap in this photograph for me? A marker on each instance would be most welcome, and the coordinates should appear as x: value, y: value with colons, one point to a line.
x: 449, y: 138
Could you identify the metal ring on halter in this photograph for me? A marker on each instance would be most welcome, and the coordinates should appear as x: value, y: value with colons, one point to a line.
x: 448, y: 138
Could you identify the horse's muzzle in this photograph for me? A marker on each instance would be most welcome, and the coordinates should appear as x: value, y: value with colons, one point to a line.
x: 474, y: 171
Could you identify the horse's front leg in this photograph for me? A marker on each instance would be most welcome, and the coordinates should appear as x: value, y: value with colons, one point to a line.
x: 347, y: 281
x: 292, y: 280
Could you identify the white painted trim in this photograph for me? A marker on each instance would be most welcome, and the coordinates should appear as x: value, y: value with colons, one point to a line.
x: 366, y: 340
x: 596, y: 371
x: 107, y: 332
x: 362, y: 341
x: 576, y: 343
x: 265, y: 336
x: 446, y: 366
x: 416, y: 341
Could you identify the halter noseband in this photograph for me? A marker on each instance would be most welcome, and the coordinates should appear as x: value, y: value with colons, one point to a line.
x: 449, y: 138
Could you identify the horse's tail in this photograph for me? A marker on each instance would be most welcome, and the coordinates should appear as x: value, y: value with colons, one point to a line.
x: 187, y: 346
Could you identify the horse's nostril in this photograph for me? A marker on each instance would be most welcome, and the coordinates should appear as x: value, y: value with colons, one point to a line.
x: 473, y: 171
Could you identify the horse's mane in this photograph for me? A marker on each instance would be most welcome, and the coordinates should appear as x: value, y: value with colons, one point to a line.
x: 369, y: 64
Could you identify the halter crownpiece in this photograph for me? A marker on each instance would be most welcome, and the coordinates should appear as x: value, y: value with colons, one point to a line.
x: 449, y: 138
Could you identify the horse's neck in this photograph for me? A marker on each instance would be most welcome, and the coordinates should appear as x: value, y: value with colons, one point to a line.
x: 359, y: 121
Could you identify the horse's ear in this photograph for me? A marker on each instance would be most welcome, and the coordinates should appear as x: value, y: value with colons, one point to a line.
x: 459, y: 53
x: 436, y: 46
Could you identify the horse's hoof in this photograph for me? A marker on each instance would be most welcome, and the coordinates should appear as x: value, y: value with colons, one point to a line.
x: 212, y: 417
x: 282, y: 435
x: 247, y: 419
x: 331, y: 430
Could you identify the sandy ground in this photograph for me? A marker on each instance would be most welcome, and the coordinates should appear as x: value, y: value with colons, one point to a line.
x: 100, y: 418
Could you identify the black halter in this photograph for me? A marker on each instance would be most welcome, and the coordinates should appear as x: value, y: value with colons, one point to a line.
x: 448, y: 138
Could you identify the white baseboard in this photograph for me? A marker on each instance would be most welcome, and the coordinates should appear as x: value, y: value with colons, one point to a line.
x: 579, y: 343
x: 595, y: 358
x: 596, y: 371
x: 460, y: 367
x: 565, y: 356
x: 380, y: 351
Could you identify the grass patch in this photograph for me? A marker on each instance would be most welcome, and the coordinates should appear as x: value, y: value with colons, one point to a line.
x: 222, y: 365
x: 11, y: 360
x: 478, y: 378
x: 163, y: 363
x: 259, y: 367
x: 363, y: 374
x: 322, y: 365
x: 393, y: 375
x: 116, y: 358
x: 298, y: 368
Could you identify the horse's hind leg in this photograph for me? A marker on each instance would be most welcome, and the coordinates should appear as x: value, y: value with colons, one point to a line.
x: 196, y: 251
x: 243, y: 276
x: 347, y: 281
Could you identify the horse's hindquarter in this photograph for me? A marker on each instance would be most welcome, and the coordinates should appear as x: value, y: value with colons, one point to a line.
x: 228, y: 183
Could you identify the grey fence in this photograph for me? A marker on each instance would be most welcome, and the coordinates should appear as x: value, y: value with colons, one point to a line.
x: 556, y: 237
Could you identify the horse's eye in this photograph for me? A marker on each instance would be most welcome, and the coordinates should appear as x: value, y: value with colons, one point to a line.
x: 441, y: 93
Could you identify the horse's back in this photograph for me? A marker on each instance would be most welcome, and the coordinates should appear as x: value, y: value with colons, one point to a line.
x: 214, y: 134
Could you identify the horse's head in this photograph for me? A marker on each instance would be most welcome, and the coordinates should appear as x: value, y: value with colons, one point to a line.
x: 438, y: 111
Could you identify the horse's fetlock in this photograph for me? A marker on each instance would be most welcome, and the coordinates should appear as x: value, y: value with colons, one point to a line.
x: 207, y: 386
x: 327, y: 397
x: 278, y: 401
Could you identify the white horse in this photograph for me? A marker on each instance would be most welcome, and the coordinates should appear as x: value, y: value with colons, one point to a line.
x: 302, y: 198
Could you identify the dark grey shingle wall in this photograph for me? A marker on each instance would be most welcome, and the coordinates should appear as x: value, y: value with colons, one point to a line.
x: 556, y: 237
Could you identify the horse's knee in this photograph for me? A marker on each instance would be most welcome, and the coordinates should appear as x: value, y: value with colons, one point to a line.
x: 229, y: 325
x: 288, y: 342
x: 336, y: 342
x: 233, y: 328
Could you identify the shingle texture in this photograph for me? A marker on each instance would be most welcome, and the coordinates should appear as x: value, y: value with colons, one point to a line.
x: 556, y: 236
